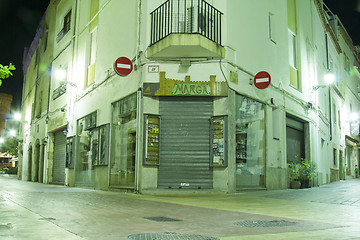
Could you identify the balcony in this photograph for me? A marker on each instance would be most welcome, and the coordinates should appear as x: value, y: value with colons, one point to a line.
x: 186, y: 29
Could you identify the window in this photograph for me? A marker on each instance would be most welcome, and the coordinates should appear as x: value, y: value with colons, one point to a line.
x: 67, y: 21
x: 123, y: 141
x: 334, y: 157
x: 250, y: 139
x: 292, y: 50
x: 46, y: 36
x: 70, y: 151
x: 65, y: 28
x: 272, y: 28
x: 346, y: 63
x: 92, y: 57
x: 92, y: 148
x: 292, y: 42
x: 94, y: 8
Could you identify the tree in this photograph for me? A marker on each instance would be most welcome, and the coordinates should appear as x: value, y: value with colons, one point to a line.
x: 10, y: 146
x: 5, y: 71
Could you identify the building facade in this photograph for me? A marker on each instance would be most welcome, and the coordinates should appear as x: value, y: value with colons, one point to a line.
x: 221, y: 95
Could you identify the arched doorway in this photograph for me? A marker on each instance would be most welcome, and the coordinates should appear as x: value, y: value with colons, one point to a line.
x: 29, y: 170
x: 41, y: 162
x: 36, y: 161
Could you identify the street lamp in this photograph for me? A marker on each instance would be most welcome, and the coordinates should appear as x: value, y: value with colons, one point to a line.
x: 17, y: 117
x: 329, y: 78
x: 60, y: 74
x: 12, y: 133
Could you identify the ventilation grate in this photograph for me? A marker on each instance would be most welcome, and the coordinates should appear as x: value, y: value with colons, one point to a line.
x: 169, y: 236
x: 262, y: 223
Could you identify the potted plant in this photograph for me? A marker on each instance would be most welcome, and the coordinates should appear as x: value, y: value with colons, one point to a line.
x: 306, y: 172
x: 294, y: 175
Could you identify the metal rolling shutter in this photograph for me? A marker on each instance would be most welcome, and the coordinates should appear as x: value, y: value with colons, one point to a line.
x: 59, y: 158
x: 185, y: 143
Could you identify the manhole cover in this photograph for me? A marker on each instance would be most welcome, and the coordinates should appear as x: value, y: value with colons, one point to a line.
x: 162, y: 219
x: 262, y: 223
x: 169, y: 236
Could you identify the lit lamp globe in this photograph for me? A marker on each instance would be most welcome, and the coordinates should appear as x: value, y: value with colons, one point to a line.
x: 329, y: 78
x: 60, y: 74
x: 17, y: 117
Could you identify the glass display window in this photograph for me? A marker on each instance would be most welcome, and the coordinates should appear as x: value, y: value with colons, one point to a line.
x: 123, y: 141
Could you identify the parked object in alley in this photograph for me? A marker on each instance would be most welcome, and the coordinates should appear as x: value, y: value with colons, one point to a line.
x: 302, y: 172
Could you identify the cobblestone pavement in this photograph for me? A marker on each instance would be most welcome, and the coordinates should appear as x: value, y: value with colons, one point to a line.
x: 39, y: 211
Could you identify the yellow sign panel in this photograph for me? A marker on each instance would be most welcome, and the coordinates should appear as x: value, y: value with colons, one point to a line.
x: 172, y: 87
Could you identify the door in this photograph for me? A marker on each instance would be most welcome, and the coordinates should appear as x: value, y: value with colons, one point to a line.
x: 59, y: 158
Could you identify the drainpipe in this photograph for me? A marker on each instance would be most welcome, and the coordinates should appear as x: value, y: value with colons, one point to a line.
x: 139, y: 104
x: 330, y: 122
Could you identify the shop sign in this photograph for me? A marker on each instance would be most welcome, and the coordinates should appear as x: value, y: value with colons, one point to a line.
x: 173, y: 87
x: 192, y: 89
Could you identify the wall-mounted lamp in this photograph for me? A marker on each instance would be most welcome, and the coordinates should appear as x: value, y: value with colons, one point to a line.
x: 329, y: 78
x: 60, y: 74
x: 17, y: 117
x: 354, y: 117
x: 65, y: 132
x: 70, y: 83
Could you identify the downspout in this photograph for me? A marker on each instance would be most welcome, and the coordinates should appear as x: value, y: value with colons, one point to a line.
x: 330, y: 121
x: 139, y: 105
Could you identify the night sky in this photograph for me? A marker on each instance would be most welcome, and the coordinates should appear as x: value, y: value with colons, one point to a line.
x: 20, y: 18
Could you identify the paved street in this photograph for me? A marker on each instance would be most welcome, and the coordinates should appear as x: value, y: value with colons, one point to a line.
x: 38, y: 211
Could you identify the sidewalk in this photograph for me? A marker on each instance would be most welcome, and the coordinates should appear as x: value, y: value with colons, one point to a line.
x: 38, y: 211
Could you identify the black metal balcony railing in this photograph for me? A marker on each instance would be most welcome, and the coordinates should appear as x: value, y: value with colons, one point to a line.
x: 186, y: 17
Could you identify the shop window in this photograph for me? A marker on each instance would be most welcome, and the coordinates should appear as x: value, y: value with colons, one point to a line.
x: 93, y: 147
x: 70, y: 151
x: 151, y: 139
x: 250, y: 142
x: 122, y: 163
x: 218, y: 149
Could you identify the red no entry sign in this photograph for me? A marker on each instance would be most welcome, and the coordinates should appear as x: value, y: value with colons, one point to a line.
x: 262, y: 80
x: 123, y: 66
